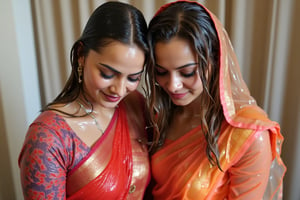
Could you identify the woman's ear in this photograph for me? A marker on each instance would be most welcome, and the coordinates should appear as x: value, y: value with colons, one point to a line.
x: 80, y: 54
x: 80, y: 49
x: 81, y: 61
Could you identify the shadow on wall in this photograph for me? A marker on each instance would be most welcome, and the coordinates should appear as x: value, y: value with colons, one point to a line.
x: 290, y: 126
x: 6, y: 180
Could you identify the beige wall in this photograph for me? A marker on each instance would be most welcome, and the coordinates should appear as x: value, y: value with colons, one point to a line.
x: 19, y: 94
x: 11, y: 101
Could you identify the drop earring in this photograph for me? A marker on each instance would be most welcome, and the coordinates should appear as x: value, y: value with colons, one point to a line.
x: 80, y: 70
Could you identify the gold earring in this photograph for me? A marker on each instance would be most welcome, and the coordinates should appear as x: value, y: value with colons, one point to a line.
x: 79, y: 70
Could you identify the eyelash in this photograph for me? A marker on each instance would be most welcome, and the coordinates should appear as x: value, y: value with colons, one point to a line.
x: 105, y: 76
x: 158, y: 73
x: 134, y: 79
x: 189, y: 74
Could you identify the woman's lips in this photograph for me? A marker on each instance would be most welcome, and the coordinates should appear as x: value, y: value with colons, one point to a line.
x: 178, y: 95
x: 112, y: 98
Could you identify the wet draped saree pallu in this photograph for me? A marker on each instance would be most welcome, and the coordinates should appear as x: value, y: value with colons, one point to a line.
x: 108, y: 170
x: 181, y: 168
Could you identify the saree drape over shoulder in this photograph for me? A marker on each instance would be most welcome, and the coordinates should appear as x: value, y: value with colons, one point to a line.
x: 115, y: 169
x: 181, y: 168
x: 56, y: 164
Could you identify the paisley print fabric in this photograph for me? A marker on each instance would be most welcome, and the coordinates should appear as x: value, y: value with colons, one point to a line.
x: 51, y: 149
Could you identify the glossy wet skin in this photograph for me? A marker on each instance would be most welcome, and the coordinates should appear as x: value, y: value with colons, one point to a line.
x: 110, y: 75
x: 176, y: 71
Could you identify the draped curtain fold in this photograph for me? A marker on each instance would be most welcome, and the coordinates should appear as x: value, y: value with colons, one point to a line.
x: 265, y: 35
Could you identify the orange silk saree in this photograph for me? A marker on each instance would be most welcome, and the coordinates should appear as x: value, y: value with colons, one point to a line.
x: 181, y: 168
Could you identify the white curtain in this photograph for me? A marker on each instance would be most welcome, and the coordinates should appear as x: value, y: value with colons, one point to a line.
x: 265, y: 35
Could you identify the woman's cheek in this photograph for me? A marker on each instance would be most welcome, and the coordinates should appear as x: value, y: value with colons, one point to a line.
x: 159, y: 80
x: 102, y: 83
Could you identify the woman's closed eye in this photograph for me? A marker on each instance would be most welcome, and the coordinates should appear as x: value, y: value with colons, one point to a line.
x: 188, y: 74
x: 134, y: 78
x: 107, y: 75
x: 160, y: 71
x: 108, y: 72
x: 185, y: 72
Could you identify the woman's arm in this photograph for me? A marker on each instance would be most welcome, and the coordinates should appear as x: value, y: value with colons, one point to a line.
x: 42, y: 164
x: 249, y: 176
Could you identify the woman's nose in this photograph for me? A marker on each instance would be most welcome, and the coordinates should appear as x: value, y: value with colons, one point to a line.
x: 174, y: 83
x: 119, y: 87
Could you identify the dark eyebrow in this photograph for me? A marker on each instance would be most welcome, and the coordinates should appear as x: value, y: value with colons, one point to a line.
x: 110, y: 68
x: 116, y: 71
x: 180, y: 67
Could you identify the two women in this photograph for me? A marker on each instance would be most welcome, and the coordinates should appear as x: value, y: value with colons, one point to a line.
x: 89, y: 142
x: 211, y: 139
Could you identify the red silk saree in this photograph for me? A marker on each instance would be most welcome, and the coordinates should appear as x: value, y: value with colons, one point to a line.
x: 116, y: 168
x: 56, y: 164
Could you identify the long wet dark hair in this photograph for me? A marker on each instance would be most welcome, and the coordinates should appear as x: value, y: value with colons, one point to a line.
x: 189, y: 21
x: 112, y: 21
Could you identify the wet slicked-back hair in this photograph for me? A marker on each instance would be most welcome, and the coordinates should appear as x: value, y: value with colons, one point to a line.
x: 112, y: 21
x: 188, y: 21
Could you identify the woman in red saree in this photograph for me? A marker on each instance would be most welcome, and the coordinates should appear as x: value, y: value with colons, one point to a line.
x: 89, y: 143
x: 211, y: 140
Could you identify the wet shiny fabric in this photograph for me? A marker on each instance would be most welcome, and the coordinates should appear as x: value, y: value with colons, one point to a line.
x: 105, y: 175
x: 182, y: 171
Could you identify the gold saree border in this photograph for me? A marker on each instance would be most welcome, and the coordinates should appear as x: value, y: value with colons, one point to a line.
x: 241, y: 139
x: 94, y: 164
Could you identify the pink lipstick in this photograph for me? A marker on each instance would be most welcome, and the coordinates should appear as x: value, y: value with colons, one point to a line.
x: 177, y: 95
x: 112, y: 98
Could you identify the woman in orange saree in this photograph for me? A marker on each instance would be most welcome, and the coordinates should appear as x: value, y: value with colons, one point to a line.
x: 211, y: 140
x: 90, y: 142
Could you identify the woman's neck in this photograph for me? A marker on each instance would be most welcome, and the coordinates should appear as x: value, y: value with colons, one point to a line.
x: 190, y: 110
x: 96, y: 108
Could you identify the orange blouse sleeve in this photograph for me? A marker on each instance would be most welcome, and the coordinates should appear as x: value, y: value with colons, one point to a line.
x: 249, y: 176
